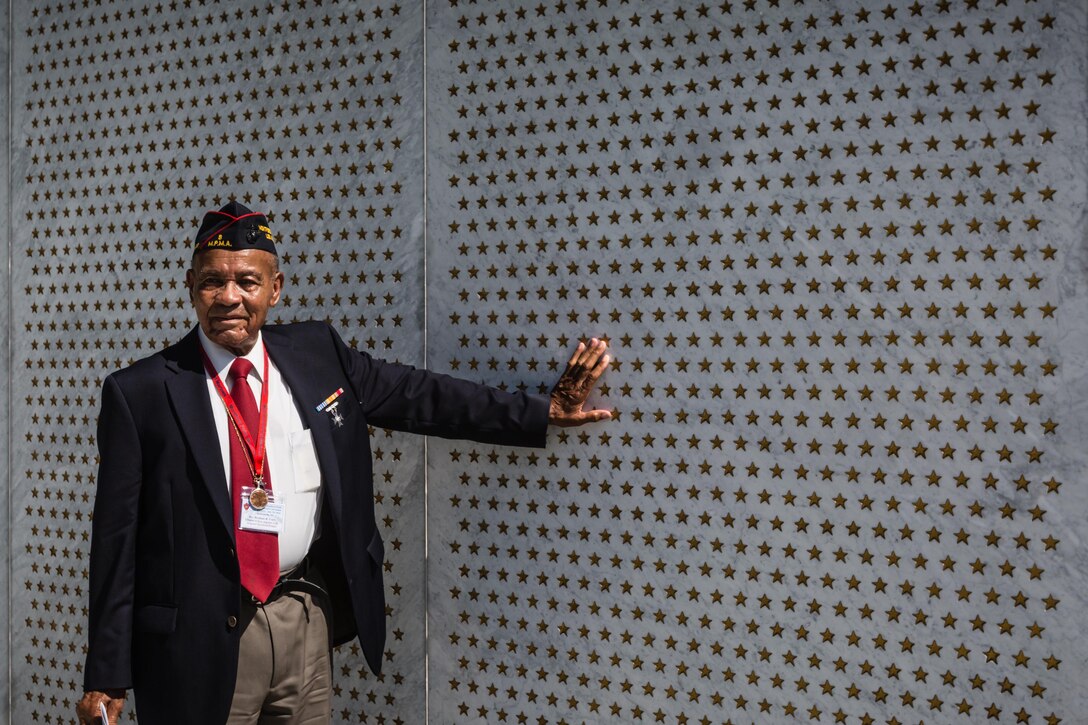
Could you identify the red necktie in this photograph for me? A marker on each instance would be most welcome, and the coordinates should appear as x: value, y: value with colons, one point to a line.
x: 258, y: 552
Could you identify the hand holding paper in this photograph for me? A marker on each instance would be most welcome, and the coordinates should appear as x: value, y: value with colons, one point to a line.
x: 97, y: 707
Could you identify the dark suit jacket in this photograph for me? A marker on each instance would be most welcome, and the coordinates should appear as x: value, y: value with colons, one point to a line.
x: 164, y: 582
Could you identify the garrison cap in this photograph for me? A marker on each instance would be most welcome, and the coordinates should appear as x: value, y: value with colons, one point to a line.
x: 234, y: 227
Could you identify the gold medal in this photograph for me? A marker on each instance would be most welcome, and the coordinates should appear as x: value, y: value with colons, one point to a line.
x: 258, y: 498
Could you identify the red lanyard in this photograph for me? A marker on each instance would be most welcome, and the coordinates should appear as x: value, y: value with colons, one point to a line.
x: 256, y: 449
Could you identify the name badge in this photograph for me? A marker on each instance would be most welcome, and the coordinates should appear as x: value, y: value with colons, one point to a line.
x: 267, y: 519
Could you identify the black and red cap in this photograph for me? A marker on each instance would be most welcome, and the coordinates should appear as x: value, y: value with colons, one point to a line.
x: 234, y: 227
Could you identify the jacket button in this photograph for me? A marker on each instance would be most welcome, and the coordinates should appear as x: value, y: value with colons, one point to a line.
x: 232, y: 621
x: 231, y: 553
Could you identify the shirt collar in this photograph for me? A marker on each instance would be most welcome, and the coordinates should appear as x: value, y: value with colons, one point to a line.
x: 222, y: 358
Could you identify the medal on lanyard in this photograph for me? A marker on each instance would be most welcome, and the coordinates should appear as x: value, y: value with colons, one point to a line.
x: 254, y: 450
x: 258, y: 497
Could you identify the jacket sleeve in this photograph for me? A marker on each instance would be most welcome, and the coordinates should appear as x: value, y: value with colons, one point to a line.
x: 401, y: 397
x: 113, y: 537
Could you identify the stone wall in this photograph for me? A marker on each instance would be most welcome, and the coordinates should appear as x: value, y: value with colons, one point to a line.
x: 838, y: 251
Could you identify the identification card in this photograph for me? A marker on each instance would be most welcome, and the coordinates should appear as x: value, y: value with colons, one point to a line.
x: 268, y: 519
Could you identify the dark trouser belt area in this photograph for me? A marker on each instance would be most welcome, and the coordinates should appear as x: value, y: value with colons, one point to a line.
x: 293, y: 581
x: 298, y: 579
x: 285, y: 585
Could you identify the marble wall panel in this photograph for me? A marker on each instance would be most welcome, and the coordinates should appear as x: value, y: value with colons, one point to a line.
x: 837, y: 248
x: 130, y: 119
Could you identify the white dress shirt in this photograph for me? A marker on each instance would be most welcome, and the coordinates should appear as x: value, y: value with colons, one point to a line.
x: 290, y: 456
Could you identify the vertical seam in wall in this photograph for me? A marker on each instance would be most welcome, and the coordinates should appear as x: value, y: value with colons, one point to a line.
x: 7, y: 372
x: 426, y: 461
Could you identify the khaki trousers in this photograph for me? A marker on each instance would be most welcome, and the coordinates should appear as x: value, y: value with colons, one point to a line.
x: 284, y: 668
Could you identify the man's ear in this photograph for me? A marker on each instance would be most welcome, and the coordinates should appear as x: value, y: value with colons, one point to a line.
x: 190, y: 280
x: 277, y: 288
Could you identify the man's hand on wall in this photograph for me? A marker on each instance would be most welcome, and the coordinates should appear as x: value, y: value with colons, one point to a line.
x: 87, y: 708
x: 574, y: 386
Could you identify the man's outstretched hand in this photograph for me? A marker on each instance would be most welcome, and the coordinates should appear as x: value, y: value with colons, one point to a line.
x: 572, y: 390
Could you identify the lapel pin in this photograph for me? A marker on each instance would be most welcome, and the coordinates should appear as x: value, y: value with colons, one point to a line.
x: 337, y: 418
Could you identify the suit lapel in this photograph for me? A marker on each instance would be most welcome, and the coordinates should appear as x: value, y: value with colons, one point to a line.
x: 297, y: 368
x: 188, y: 391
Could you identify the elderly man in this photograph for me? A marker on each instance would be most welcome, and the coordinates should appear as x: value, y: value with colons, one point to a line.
x: 234, y: 538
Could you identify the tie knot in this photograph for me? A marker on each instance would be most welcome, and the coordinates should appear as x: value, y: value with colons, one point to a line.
x: 240, y: 368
